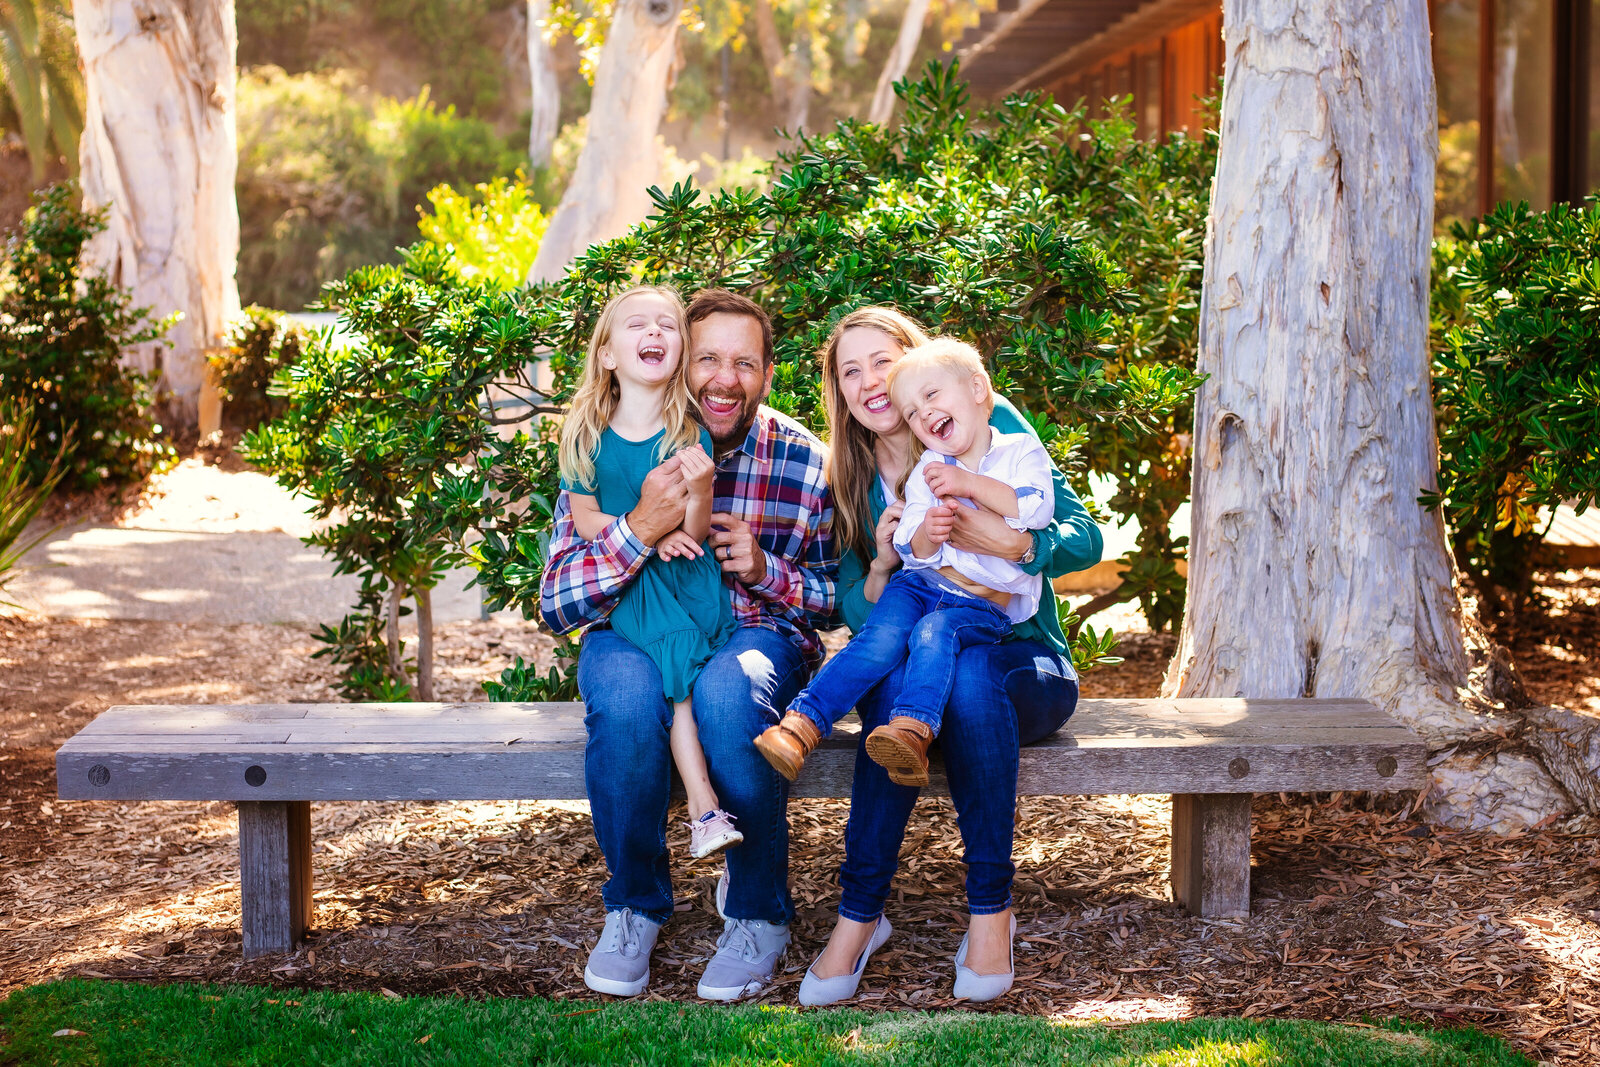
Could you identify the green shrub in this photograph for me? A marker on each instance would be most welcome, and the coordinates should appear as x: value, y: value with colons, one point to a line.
x: 494, y: 238
x: 261, y: 344
x: 62, y: 334
x: 331, y: 177
x: 382, y: 436
x: 1145, y: 204
x: 944, y: 216
x: 22, y: 498
x: 1516, y: 335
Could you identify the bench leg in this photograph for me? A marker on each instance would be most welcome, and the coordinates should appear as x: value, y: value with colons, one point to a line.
x: 274, y: 874
x: 1211, y: 854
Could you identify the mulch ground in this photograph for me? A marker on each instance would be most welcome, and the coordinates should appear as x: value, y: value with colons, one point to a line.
x: 1359, y: 908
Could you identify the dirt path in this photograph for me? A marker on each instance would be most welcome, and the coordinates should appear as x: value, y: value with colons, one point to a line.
x: 1356, y: 911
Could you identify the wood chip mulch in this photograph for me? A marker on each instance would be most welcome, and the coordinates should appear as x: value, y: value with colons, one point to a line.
x: 1360, y: 909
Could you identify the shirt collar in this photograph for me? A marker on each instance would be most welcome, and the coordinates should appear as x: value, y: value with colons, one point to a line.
x: 757, y: 443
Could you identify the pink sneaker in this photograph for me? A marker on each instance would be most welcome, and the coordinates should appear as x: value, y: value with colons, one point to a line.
x: 712, y: 832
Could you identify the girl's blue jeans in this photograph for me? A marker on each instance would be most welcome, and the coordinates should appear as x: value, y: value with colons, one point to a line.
x: 919, y: 622
x: 1005, y: 696
x: 628, y: 767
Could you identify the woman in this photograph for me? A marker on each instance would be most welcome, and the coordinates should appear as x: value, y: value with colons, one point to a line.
x: 1005, y: 695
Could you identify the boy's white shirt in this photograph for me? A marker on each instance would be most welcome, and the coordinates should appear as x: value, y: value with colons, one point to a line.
x: 1016, y: 459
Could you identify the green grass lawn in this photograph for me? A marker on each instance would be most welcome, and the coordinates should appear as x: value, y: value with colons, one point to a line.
x: 121, y: 1023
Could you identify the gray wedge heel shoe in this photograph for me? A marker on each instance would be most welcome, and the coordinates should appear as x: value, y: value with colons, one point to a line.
x: 817, y: 992
x: 978, y: 988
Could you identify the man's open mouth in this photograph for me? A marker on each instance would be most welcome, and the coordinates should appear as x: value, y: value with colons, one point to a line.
x: 719, y: 405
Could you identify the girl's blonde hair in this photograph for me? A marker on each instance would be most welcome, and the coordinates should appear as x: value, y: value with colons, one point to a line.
x: 596, y: 399
x: 852, y: 466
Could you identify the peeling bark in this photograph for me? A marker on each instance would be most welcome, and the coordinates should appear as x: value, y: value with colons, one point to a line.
x: 620, y: 158
x: 771, y: 47
x: 424, y: 597
x: 899, y: 61
x: 160, y: 151
x: 546, y: 102
x: 1313, y: 571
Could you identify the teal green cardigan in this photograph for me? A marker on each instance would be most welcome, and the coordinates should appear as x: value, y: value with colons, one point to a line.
x: 1071, y: 543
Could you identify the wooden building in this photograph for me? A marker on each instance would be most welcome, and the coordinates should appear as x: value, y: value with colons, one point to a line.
x: 1530, y: 64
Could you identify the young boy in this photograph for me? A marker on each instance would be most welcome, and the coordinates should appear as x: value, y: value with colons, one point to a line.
x: 943, y: 599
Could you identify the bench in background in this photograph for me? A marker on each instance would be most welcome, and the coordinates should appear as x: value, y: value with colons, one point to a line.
x: 275, y: 759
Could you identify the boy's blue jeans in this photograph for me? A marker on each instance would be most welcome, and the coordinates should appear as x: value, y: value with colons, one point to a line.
x: 919, y: 621
x: 1005, y: 696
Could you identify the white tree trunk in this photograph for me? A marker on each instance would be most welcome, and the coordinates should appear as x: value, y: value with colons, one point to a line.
x: 546, y: 103
x: 798, y: 115
x: 905, y: 46
x: 160, y: 149
x: 772, y: 54
x: 620, y: 157
x: 1312, y: 569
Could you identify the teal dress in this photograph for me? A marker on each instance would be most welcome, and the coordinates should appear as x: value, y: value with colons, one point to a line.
x: 676, y: 611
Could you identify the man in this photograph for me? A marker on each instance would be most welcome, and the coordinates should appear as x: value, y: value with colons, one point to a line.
x: 772, y: 533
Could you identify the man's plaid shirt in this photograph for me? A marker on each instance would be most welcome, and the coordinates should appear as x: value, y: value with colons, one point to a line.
x: 774, y: 482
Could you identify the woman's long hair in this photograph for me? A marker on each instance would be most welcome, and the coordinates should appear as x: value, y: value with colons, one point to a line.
x: 596, y: 399
x: 851, y: 463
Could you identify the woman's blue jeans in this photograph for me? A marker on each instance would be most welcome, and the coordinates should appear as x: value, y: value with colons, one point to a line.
x: 1005, y: 696
x: 628, y: 767
x: 921, y: 623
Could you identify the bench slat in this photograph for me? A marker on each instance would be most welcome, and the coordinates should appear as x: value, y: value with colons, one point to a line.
x: 276, y: 759
x: 461, y: 752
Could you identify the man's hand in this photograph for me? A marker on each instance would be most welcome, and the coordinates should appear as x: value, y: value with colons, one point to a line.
x: 938, y: 523
x: 662, y: 500
x: 887, y: 559
x: 678, y: 545
x: 736, y: 549
x: 986, y: 533
x: 947, y: 479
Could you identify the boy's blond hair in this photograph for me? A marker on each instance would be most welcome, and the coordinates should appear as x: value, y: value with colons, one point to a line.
x: 945, y: 353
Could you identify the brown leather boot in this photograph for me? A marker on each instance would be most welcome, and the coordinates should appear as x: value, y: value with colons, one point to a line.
x: 787, y: 744
x: 900, y: 746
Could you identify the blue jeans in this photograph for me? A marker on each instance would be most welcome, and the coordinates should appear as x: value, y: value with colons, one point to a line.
x: 1005, y: 696
x: 628, y: 767
x: 920, y: 622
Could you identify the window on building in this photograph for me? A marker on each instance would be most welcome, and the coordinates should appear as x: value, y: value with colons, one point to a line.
x: 1592, y: 127
x: 1523, y: 60
x: 1150, y: 94
x: 1455, y: 65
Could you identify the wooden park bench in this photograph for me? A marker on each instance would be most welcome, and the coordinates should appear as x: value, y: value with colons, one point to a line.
x: 275, y: 759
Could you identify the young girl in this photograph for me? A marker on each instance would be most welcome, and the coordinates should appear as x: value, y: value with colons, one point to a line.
x: 631, y: 412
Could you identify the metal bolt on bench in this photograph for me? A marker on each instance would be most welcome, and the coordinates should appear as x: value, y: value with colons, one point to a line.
x: 275, y: 759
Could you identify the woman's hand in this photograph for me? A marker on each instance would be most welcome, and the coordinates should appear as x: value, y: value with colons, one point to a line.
x: 698, y: 470
x: 887, y: 559
x: 678, y: 545
x: 986, y: 533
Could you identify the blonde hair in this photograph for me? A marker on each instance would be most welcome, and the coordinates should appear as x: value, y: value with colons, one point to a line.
x: 943, y: 353
x: 596, y: 399
x: 852, y: 465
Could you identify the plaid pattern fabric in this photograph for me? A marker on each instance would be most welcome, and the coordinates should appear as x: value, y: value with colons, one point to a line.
x: 774, y: 482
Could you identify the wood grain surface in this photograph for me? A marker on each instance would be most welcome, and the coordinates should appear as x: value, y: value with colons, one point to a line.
x: 258, y: 753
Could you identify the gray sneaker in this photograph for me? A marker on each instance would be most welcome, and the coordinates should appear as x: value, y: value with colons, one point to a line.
x: 747, y: 954
x: 620, y: 962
